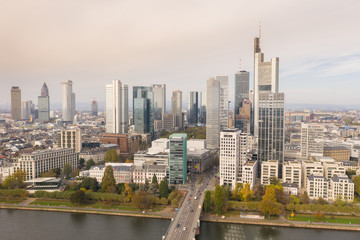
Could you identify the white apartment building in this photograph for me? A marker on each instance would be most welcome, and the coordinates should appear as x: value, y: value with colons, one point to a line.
x: 341, y: 185
x: 312, y: 140
x: 41, y: 161
x: 333, y: 168
x: 249, y: 170
x: 317, y: 186
x: 269, y: 169
x: 122, y: 174
x: 233, y: 150
x: 292, y: 172
x: 141, y: 173
x: 308, y: 168
x: 71, y: 138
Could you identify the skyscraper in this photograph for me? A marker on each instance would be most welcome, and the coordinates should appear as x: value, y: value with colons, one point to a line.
x: 213, y: 113
x: 68, y: 101
x: 116, y: 108
x: 94, y: 108
x: 26, y: 107
x: 202, y: 106
x: 143, y: 111
x: 312, y: 140
x: 44, y: 104
x: 176, y: 107
x: 271, y: 128
x: 193, y: 107
x: 159, y: 91
x: 224, y: 101
x: 177, y: 158
x: 16, y: 103
x: 241, y: 89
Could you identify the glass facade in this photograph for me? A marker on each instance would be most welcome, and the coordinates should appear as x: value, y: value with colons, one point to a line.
x: 177, y: 158
x: 193, y: 107
x: 143, y: 104
x: 241, y: 89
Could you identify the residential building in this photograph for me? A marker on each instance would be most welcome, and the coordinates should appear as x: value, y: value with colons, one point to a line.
x: 249, y: 172
x: 116, y: 108
x: 290, y: 188
x: 176, y: 108
x: 213, y: 113
x: 310, y: 168
x: 177, y: 158
x: 68, y: 101
x: 147, y: 171
x: 317, y: 186
x: 159, y: 93
x: 292, y: 173
x: 41, y: 161
x: 341, y: 186
x: 44, y: 104
x: 98, y: 155
x: 269, y: 169
x: 312, y: 140
x: 70, y: 138
x: 15, y: 103
x: 122, y: 173
x: 332, y: 168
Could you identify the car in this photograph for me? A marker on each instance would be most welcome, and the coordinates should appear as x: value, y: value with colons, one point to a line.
x: 184, y: 228
x: 191, y: 210
x: 178, y: 225
x: 195, y: 198
x: 188, y: 202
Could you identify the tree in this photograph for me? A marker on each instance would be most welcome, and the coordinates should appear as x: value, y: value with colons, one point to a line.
x: 128, y: 192
x: 207, y: 201
x: 236, y: 193
x: 294, y: 200
x: 67, y: 170
x: 259, y: 191
x: 78, y: 198
x: 120, y: 188
x: 304, y: 198
x: 322, y: 201
x: 356, y: 181
x: 15, y: 180
x: 49, y: 173
x: 81, y: 162
x: 111, y: 156
x: 154, y: 179
x: 89, y: 163
x: 108, y: 183
x: 350, y: 173
x: 274, y: 181
x: 270, y: 208
x: 164, y: 188
x: 89, y: 183
x: 246, y: 192
x: 269, y: 194
x: 218, y: 199
x: 141, y: 200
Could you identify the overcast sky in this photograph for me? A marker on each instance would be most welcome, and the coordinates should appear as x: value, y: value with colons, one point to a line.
x: 180, y: 43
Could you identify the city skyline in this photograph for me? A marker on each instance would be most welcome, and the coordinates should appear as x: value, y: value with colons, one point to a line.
x: 174, y: 54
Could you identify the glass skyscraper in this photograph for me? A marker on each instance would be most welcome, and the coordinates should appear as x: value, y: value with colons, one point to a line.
x: 143, y: 112
x: 177, y: 158
x: 193, y: 107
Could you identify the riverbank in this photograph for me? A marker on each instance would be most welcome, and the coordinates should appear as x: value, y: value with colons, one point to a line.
x: 280, y: 223
x: 89, y: 211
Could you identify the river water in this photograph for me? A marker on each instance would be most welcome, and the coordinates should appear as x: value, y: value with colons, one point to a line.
x: 38, y: 225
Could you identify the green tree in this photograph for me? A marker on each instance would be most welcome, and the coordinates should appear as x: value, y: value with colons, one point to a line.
x: 141, y: 200
x: 207, y: 201
x: 81, y: 162
x: 112, y: 156
x: 89, y: 163
x: 67, y: 170
x: 89, y: 183
x: 154, y: 179
x: 78, y: 198
x: 322, y: 201
x: 356, y: 181
x: 108, y: 183
x: 49, y: 173
x: 218, y: 199
x: 120, y: 188
x: 15, y: 180
x: 304, y: 198
x: 164, y: 188
x: 274, y: 181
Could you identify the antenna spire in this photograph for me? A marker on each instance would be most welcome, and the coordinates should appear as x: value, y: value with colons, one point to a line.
x: 240, y: 64
x: 259, y: 33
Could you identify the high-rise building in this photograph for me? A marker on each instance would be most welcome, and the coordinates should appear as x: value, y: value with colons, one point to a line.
x: 312, y: 140
x: 68, y: 101
x: 70, y: 138
x: 26, y: 110
x: 116, y: 108
x: 213, y: 113
x: 193, y: 107
x: 242, y: 83
x: 202, y: 107
x: 224, y: 101
x: 15, y: 103
x: 168, y: 122
x: 44, y: 104
x: 271, y: 133
x: 177, y: 158
x: 94, y: 108
x: 243, y: 118
x: 143, y: 111
x: 159, y: 91
x: 233, y: 151
x: 176, y: 108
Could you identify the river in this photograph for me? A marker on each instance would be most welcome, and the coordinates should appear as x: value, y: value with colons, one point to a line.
x: 39, y: 225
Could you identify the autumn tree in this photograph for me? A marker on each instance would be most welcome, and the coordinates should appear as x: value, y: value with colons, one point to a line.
x: 78, y: 198
x: 259, y: 191
x: 304, y: 198
x: 15, y: 180
x: 128, y: 192
x: 236, y: 193
x: 141, y: 200
x: 108, y: 183
x: 246, y: 192
x: 112, y: 156
x: 268, y: 205
x: 207, y: 201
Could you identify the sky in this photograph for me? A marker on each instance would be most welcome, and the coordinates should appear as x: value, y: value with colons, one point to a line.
x: 180, y: 43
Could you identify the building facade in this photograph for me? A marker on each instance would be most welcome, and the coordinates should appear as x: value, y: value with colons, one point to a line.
x: 71, y: 138
x: 68, y: 101
x: 177, y: 158
x: 176, y: 108
x: 15, y: 103
x: 44, y: 104
x: 312, y: 140
x: 159, y: 92
x: 269, y: 170
x: 193, y: 108
x: 143, y: 110
x: 213, y: 113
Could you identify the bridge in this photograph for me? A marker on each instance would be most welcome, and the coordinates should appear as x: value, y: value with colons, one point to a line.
x: 186, y: 224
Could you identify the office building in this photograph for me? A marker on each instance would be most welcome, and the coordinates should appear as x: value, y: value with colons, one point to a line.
x: 224, y: 101
x: 242, y: 83
x: 168, y: 122
x: 176, y: 108
x: 193, y: 108
x: 249, y: 172
x: 243, y: 117
x: 68, y: 101
x: 213, y: 113
x: 41, y: 161
x: 159, y: 92
x: 202, y: 107
x: 271, y: 133
x: 340, y: 153
x: 143, y: 111
x: 26, y: 107
x: 44, y: 104
x: 312, y: 140
x: 269, y: 169
x: 15, y: 103
x: 177, y: 158
x: 94, y: 108
x: 70, y: 138
x: 116, y: 108
x: 233, y: 152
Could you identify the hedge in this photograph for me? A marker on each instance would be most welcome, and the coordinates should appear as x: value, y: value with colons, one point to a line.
x: 326, y: 208
x: 22, y: 193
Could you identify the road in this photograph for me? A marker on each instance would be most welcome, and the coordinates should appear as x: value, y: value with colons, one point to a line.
x: 185, y: 224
